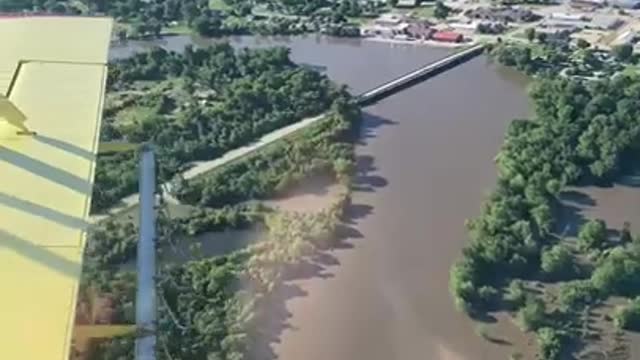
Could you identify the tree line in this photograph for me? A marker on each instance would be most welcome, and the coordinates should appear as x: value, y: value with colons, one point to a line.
x: 323, y: 148
x: 552, y: 55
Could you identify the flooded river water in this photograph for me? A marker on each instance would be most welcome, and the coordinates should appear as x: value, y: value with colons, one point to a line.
x: 425, y: 164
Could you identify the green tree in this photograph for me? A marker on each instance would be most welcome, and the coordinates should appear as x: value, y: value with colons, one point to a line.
x: 530, y: 33
x: 592, y: 235
x: 462, y: 284
x: 623, y: 52
x: 550, y: 343
x: 557, y: 262
x: 618, y: 273
x: 575, y: 295
x: 542, y: 37
x: 441, y: 11
x: 516, y: 294
x: 582, y: 43
x: 627, y: 317
x: 392, y: 3
x: 532, y: 315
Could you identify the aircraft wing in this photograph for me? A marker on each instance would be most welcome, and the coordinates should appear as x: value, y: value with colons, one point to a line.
x: 53, y: 70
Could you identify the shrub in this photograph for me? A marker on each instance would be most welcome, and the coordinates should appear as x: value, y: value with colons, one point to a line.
x: 515, y: 294
x: 577, y: 294
x: 557, y: 262
x: 550, y: 342
x: 628, y: 316
x: 592, y: 235
x: 531, y: 316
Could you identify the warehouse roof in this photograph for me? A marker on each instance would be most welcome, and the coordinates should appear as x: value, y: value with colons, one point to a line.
x: 53, y: 70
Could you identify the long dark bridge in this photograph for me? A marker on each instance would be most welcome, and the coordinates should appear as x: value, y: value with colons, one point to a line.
x: 420, y: 74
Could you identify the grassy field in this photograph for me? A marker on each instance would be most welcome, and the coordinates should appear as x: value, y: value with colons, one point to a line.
x: 218, y: 5
x: 359, y: 20
x: 424, y: 12
x: 180, y: 29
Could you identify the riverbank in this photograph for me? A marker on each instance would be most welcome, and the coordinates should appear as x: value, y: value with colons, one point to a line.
x: 428, y: 43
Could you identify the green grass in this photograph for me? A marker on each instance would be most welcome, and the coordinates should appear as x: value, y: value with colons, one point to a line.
x: 632, y: 70
x: 219, y: 5
x: 519, y: 35
x: 358, y: 20
x: 180, y: 29
x: 424, y: 12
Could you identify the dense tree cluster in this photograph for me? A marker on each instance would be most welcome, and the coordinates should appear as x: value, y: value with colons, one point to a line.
x: 202, y: 315
x: 575, y: 295
x: 618, y: 273
x: 549, y: 58
x: 112, y: 242
x: 203, y: 220
x: 224, y: 99
x: 323, y: 148
x: 553, y: 54
x: 582, y: 133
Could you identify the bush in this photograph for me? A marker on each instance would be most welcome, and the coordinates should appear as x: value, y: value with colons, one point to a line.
x: 618, y: 273
x: 550, y: 343
x: 557, y: 262
x: 515, y: 294
x: 628, y: 316
x: 577, y: 294
x: 592, y: 235
x: 532, y: 315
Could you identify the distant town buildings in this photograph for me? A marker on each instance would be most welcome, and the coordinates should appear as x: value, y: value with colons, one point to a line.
x: 388, y: 19
x: 625, y: 4
x: 447, y: 36
x: 587, y: 4
x: 504, y: 14
x: 420, y: 30
x: 407, y: 3
x: 394, y: 26
x: 579, y: 21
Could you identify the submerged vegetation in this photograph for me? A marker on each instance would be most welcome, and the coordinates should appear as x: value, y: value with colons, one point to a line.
x: 582, y: 133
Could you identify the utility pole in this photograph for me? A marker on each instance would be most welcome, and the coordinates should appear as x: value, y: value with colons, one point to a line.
x: 146, y: 307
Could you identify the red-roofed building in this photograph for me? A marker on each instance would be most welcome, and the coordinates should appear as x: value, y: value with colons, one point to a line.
x: 447, y: 36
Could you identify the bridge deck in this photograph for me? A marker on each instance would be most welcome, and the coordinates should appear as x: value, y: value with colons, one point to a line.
x: 420, y: 72
x: 47, y: 179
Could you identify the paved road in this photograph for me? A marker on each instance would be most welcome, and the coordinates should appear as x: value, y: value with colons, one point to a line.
x: 202, y: 167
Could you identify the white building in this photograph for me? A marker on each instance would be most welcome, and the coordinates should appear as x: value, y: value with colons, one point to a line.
x: 568, y: 17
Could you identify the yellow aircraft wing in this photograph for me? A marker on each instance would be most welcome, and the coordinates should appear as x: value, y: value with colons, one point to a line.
x: 53, y: 71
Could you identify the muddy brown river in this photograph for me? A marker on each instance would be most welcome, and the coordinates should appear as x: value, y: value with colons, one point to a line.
x: 425, y: 164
